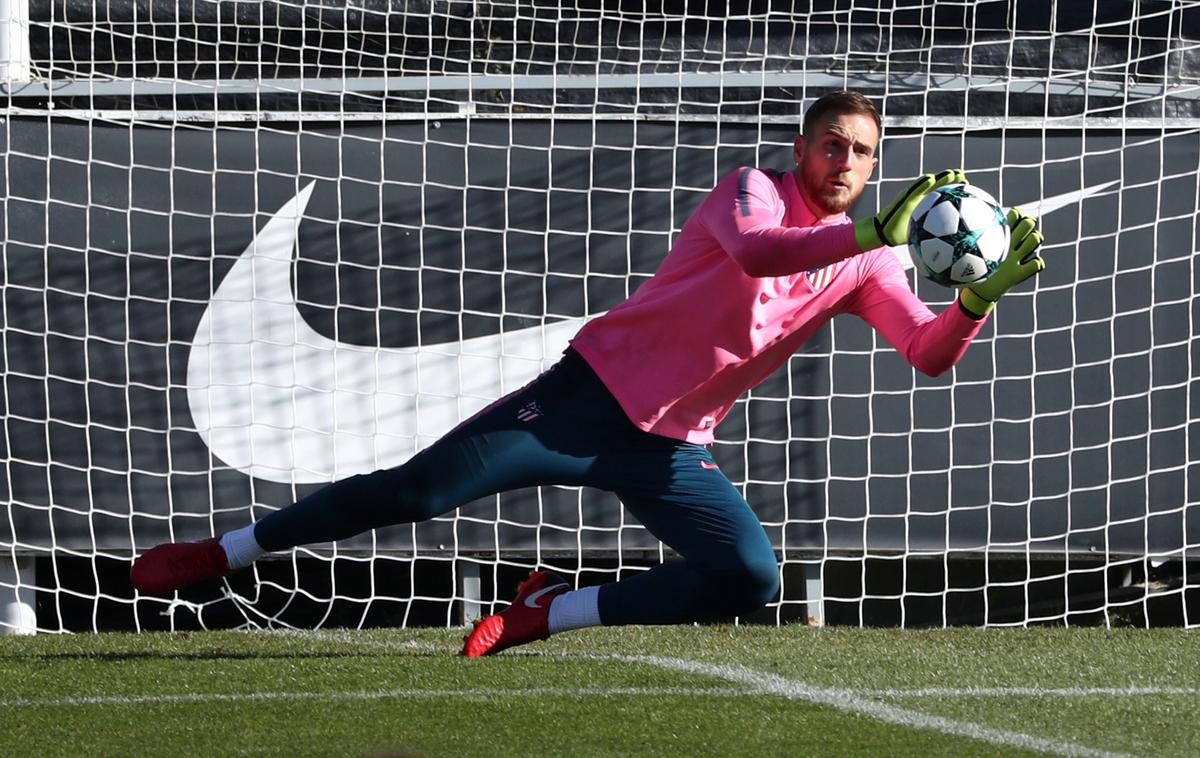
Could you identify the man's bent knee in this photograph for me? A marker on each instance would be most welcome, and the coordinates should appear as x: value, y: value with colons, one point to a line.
x: 751, y: 587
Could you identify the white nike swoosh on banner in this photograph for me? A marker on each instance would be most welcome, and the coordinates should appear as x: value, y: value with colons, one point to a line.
x: 1037, y: 208
x: 276, y: 400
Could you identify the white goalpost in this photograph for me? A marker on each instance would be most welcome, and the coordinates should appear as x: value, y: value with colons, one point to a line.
x: 255, y: 247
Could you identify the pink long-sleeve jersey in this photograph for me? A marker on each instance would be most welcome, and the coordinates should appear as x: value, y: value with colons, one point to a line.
x: 752, y: 276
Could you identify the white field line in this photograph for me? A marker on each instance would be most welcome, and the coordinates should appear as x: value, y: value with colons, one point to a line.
x: 951, y: 692
x: 405, y: 694
x: 850, y: 702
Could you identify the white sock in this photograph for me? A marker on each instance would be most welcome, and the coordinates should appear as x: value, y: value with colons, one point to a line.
x: 575, y: 610
x: 241, y: 549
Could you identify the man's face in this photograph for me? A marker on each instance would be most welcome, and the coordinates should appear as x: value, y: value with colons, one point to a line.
x: 835, y: 161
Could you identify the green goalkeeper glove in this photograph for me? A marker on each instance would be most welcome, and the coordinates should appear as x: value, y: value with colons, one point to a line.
x: 890, y: 225
x: 1021, y: 263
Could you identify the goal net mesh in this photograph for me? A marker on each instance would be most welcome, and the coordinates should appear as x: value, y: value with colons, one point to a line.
x: 254, y: 247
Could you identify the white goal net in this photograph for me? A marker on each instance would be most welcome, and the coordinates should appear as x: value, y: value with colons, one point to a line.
x: 253, y: 247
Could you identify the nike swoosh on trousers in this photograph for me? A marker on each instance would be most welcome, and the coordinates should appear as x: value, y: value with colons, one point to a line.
x: 278, y: 401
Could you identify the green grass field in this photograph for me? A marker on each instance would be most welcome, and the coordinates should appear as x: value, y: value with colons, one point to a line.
x: 714, y: 690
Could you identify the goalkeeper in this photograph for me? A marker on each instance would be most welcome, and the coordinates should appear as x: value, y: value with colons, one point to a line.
x: 767, y: 259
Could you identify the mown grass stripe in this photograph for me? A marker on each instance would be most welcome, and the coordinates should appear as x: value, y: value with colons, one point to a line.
x: 405, y: 694
x: 1031, y: 692
x: 850, y: 702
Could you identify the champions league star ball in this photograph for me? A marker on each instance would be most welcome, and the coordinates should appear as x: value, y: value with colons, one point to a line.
x: 958, y: 235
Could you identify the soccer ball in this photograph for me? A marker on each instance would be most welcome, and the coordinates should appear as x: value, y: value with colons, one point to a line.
x: 958, y: 235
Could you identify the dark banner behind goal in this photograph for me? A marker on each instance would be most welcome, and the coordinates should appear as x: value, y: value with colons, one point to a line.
x: 1067, y: 427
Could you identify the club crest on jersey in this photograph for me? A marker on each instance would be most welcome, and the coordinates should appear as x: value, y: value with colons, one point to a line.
x: 819, y: 277
x: 531, y: 411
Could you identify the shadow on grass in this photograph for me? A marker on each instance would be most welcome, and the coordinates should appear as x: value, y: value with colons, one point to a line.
x: 213, y: 655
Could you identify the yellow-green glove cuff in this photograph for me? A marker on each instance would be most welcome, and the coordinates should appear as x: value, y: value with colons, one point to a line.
x: 974, y: 303
x: 867, y: 234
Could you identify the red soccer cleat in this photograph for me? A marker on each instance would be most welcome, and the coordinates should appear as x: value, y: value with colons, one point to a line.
x: 162, y: 570
x: 523, y: 621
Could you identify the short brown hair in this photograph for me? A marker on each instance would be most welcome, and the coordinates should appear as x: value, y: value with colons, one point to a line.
x: 839, y: 103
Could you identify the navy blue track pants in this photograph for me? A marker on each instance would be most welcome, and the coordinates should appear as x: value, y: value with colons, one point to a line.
x: 566, y: 428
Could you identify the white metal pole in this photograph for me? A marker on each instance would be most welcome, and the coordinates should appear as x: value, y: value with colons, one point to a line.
x: 14, y: 41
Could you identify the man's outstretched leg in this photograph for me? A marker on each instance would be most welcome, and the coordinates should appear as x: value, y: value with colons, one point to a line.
x: 337, y: 511
x: 436, y: 481
x: 499, y: 449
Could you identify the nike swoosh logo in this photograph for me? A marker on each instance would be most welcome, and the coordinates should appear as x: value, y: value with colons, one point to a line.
x: 278, y: 401
x: 531, y: 601
x: 1039, y: 208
